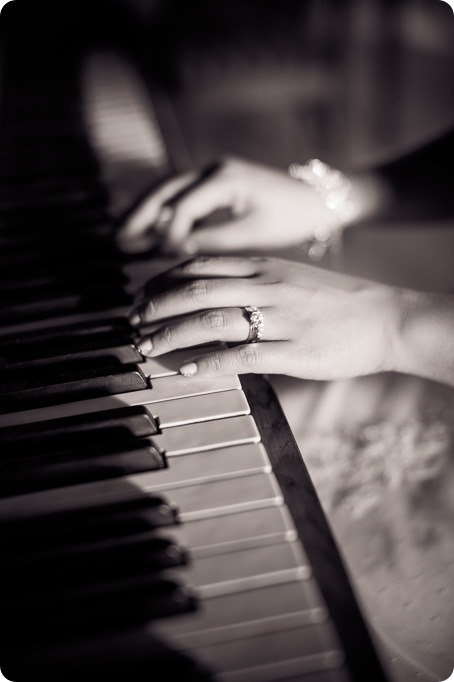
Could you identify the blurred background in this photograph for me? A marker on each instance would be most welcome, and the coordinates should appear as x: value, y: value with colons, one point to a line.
x: 280, y: 80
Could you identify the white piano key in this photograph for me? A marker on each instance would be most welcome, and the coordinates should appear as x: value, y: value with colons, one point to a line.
x: 253, y: 582
x: 333, y: 675
x: 254, y: 627
x: 199, y: 466
x: 180, y: 440
x: 221, y: 496
x: 200, y: 408
x: 201, y: 535
x: 206, y: 498
x: 293, y: 668
x: 273, y: 650
x: 170, y: 363
x: 165, y: 388
x: 222, y: 613
x: 250, y: 562
x: 178, y: 386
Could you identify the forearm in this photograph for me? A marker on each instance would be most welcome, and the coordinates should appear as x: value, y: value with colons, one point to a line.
x: 424, y: 344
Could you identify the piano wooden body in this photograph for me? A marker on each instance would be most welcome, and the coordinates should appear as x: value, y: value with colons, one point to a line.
x: 151, y: 525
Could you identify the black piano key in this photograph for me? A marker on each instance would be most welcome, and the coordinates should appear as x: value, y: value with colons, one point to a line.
x: 108, y: 356
x: 56, y: 271
x: 91, y: 450
x: 97, y: 522
x: 23, y: 294
x: 99, y: 249
x: 44, y: 472
x: 45, y: 379
x: 45, y: 240
x: 77, y: 432
x: 124, y: 654
x: 60, y: 275
x: 75, y: 611
x: 51, y: 163
x: 52, y: 229
x: 100, y: 298
x: 22, y: 197
x: 87, y: 564
x: 113, y: 327
x: 22, y: 353
x: 72, y: 386
x: 43, y: 185
x: 77, y: 608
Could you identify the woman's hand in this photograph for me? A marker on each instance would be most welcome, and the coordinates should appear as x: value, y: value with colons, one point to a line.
x: 317, y: 324
x: 267, y: 210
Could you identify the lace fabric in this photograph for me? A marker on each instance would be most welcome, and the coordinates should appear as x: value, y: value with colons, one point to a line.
x: 380, y: 451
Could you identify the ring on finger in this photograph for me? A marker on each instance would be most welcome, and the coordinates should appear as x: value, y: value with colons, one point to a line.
x: 256, y: 323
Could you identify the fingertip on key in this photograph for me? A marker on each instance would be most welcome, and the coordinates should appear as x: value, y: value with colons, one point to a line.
x: 189, y: 369
x: 145, y: 347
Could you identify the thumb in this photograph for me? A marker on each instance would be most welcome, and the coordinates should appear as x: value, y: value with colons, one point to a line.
x: 145, y: 214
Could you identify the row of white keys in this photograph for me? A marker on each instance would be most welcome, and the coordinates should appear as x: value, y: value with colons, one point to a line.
x: 163, y: 388
x: 253, y: 584
x: 247, y: 565
x: 219, y: 475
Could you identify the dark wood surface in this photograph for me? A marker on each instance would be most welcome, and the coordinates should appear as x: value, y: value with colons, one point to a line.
x: 313, y: 529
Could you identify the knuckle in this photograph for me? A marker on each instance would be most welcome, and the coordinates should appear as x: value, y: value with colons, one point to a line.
x: 149, y: 311
x: 250, y: 355
x: 166, y: 335
x: 198, y: 290
x: 214, y: 363
x: 215, y: 320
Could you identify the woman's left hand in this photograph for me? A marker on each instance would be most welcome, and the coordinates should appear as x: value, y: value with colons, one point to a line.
x: 318, y: 324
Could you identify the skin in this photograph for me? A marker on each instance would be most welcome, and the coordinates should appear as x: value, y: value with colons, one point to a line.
x: 318, y: 324
x: 310, y: 330
x: 268, y: 210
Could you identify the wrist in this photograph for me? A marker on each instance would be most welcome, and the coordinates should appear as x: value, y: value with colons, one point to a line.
x: 423, y: 338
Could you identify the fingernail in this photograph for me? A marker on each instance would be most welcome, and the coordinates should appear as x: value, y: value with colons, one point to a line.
x: 145, y: 347
x: 189, y: 369
x: 134, y: 319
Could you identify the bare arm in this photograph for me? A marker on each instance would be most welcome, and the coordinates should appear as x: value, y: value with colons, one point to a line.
x: 425, y: 341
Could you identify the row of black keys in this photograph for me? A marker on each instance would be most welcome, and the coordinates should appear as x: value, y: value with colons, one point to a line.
x: 78, y: 449
x: 70, y: 362
x: 92, y: 579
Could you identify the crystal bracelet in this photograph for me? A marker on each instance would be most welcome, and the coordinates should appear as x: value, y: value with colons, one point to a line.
x: 334, y: 190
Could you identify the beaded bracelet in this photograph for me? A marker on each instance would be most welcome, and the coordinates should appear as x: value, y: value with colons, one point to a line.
x: 334, y: 190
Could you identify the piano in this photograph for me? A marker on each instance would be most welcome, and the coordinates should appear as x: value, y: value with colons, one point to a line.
x: 152, y: 526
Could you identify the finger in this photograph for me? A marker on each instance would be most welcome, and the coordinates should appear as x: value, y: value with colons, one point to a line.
x: 214, y: 193
x: 147, y: 212
x: 221, y: 324
x: 256, y: 358
x: 201, y: 294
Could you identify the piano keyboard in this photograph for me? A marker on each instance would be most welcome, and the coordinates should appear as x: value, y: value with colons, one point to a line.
x: 142, y: 519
